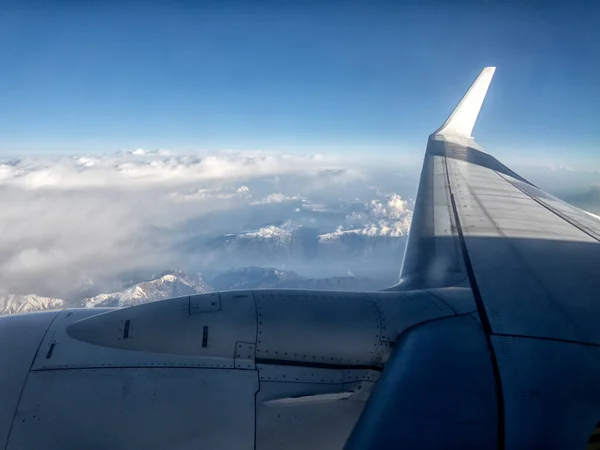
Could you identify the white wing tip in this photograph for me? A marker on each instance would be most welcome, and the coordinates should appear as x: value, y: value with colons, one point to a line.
x: 462, y: 120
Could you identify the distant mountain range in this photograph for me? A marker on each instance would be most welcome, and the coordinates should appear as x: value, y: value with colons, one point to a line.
x: 175, y: 284
x: 23, y: 303
x: 171, y: 284
x: 293, y: 246
x: 260, y: 277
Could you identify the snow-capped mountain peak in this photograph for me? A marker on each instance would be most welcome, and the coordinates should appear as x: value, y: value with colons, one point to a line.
x: 22, y: 303
x: 172, y: 284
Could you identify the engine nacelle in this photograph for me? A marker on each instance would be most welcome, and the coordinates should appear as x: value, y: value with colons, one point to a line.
x: 240, y: 369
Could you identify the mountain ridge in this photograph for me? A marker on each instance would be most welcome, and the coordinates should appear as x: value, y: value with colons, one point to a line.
x: 176, y: 283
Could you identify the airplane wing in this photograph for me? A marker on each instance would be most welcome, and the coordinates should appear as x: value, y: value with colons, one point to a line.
x: 531, y: 258
x: 532, y: 263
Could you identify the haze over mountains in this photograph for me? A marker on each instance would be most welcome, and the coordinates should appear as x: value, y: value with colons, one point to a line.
x: 131, y: 227
x: 176, y: 284
x: 122, y: 229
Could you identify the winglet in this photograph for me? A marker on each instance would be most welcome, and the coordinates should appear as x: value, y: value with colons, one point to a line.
x: 462, y: 120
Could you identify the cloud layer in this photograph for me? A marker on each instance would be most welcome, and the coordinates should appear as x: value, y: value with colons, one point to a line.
x: 89, y: 223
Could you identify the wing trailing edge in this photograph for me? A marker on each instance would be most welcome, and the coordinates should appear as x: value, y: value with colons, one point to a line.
x: 462, y: 120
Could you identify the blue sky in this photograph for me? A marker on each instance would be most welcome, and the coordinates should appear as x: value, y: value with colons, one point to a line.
x: 331, y: 76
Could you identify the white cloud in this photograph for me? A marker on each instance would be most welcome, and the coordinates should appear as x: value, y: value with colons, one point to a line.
x: 276, y: 198
x: 203, y: 194
x: 388, y: 215
x: 396, y: 206
x: 147, y: 168
x: 282, y: 233
x: 67, y: 219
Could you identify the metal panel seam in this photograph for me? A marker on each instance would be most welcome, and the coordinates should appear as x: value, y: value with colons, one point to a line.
x: 138, y: 366
x: 441, y: 300
x: 317, y: 365
x: 542, y: 338
x: 27, y: 377
x: 376, y: 353
x: 427, y: 322
x: 256, y: 369
x: 518, y: 256
x: 564, y: 217
x: 482, y: 316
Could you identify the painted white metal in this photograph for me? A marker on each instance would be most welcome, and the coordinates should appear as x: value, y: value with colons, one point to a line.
x: 175, y: 326
x: 338, y: 328
x: 433, y: 257
x: 437, y: 391
x: 304, y: 425
x: 343, y: 328
x: 315, y: 375
x: 462, y: 120
x: 175, y: 371
x: 551, y: 392
x: 536, y: 271
x: 315, y: 398
x: 400, y: 312
x: 102, y: 350
x: 459, y: 299
x: 20, y: 338
x: 136, y: 408
x: 533, y: 261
